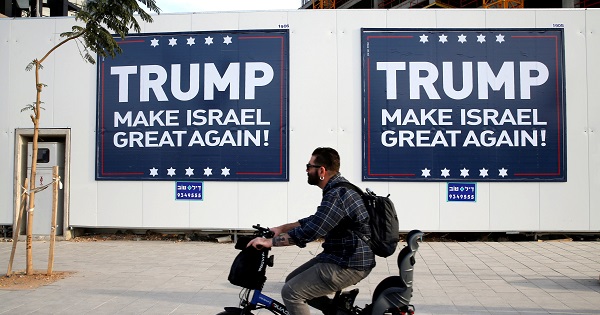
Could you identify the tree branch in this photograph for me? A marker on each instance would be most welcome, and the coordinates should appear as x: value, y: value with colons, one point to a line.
x: 62, y: 43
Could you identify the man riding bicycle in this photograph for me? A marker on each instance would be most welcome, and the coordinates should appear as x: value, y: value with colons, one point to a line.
x: 346, y: 259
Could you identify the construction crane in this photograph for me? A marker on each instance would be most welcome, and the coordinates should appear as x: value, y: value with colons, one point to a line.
x: 505, y: 4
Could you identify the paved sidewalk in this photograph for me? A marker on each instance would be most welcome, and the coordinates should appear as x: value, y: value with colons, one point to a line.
x: 158, y: 277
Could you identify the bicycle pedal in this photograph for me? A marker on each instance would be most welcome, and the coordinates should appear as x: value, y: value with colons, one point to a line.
x: 347, y: 298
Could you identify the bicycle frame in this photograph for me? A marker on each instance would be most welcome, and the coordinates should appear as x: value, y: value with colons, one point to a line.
x: 262, y: 301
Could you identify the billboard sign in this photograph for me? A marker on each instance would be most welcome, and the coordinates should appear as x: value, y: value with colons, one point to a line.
x: 210, y: 106
x: 463, y: 105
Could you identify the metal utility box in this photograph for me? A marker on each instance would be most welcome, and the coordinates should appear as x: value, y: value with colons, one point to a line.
x: 49, y: 155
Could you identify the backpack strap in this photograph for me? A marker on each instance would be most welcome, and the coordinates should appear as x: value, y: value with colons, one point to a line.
x: 349, y: 185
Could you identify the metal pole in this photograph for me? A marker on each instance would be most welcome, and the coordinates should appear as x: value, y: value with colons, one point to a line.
x: 56, y: 181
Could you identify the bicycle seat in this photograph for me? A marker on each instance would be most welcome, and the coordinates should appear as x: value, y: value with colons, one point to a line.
x: 396, y: 291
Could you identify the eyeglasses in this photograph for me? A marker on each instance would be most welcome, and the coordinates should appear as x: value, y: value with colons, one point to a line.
x: 312, y: 165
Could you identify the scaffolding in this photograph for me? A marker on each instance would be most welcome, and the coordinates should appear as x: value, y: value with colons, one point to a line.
x: 503, y: 4
x: 323, y: 4
x: 436, y: 4
x: 425, y: 4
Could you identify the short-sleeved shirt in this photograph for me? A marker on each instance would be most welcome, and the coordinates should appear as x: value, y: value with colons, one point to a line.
x: 341, y: 211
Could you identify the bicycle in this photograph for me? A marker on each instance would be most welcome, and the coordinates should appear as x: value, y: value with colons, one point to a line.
x: 391, y: 296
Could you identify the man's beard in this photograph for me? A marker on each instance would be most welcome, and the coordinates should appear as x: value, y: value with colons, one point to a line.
x: 313, y: 178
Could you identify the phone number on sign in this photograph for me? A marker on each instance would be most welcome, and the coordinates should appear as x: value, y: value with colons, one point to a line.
x: 461, y: 197
x: 189, y: 195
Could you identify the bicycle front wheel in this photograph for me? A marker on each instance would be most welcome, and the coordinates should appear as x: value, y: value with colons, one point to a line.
x: 235, y: 311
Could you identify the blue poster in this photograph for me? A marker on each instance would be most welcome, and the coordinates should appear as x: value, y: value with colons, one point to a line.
x: 190, y: 191
x: 463, y: 105
x: 462, y: 192
x: 209, y: 106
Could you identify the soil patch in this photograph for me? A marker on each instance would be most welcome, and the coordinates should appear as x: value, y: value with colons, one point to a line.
x: 149, y: 235
x: 21, y: 281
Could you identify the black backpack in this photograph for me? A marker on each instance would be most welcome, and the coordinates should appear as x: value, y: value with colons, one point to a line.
x: 383, y: 221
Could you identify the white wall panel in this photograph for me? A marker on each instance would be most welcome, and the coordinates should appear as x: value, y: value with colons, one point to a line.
x: 79, y: 115
x: 120, y: 204
x: 460, y: 18
x: 313, y: 101
x: 219, y: 209
x: 84, y: 189
x: 71, y: 94
x: 514, y: 206
x: 420, y: 18
x: 264, y: 203
x: 592, y: 34
x: 30, y: 43
x: 270, y: 20
x: 160, y: 209
x: 165, y: 23
x: 466, y: 216
x: 565, y: 206
x: 417, y: 204
x: 499, y: 18
x: 325, y: 110
x: 215, y: 21
x: 6, y: 135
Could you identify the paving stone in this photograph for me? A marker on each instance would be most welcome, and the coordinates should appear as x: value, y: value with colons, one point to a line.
x: 156, y: 277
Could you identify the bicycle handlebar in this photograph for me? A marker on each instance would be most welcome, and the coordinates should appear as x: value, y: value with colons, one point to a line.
x: 262, y: 231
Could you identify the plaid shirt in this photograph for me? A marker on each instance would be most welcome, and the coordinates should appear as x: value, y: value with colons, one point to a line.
x: 341, y: 210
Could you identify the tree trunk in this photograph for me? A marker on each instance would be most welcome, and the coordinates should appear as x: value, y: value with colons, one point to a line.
x: 17, y: 229
x: 32, y: 177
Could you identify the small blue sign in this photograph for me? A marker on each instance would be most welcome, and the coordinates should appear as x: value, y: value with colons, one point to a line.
x: 462, y: 192
x: 189, y: 191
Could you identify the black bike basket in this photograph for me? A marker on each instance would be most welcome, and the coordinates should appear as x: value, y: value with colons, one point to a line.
x: 249, y: 268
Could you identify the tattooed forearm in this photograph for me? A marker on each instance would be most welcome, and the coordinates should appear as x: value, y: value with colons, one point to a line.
x: 283, y: 240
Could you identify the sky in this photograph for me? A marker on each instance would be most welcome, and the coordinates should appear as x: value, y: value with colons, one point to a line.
x: 183, y: 6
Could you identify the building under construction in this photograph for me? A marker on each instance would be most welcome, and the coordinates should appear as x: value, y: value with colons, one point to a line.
x: 424, y: 4
x: 38, y: 8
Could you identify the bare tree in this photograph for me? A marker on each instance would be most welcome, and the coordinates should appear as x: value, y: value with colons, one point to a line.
x: 102, y: 18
